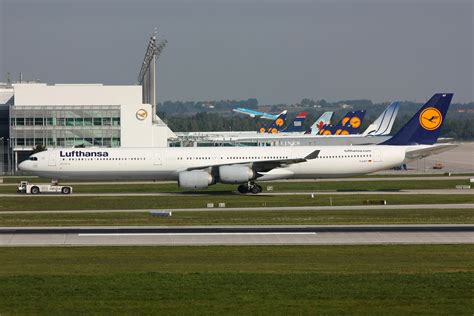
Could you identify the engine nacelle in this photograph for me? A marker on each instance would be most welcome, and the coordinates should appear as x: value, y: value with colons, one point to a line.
x: 236, y: 174
x: 194, y: 180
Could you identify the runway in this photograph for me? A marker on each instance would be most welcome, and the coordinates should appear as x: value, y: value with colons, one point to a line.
x: 264, y: 208
x: 238, y: 235
x: 211, y: 193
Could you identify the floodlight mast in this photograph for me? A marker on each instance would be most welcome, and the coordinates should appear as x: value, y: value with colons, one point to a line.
x: 146, y: 77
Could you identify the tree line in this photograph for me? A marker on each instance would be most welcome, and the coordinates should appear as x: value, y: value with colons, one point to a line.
x: 458, y: 128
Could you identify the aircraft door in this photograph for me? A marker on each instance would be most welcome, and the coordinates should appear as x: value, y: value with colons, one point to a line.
x: 157, y: 161
x: 52, y: 160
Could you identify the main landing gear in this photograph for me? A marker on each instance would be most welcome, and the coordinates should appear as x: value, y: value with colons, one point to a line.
x: 250, y: 187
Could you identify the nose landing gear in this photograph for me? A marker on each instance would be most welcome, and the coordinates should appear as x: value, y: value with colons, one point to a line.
x: 250, y: 187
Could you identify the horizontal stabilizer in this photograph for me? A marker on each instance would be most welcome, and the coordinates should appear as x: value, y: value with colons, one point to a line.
x: 412, y: 154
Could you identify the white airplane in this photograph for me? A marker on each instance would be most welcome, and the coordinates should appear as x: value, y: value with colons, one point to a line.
x: 199, y: 167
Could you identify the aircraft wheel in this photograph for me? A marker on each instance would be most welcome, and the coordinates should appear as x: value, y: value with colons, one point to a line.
x: 242, y: 189
x: 66, y: 190
x: 255, y: 189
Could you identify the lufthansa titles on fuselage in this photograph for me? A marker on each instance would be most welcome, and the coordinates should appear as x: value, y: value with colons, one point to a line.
x: 79, y: 153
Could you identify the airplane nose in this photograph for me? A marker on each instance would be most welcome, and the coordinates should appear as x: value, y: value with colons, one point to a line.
x: 24, y: 165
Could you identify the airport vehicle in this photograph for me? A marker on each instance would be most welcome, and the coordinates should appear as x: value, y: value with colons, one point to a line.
x: 30, y: 188
x: 197, y: 168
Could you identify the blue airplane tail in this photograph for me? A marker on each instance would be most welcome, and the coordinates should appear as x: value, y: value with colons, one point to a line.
x: 297, y: 124
x: 349, y: 124
x: 276, y: 126
x: 424, y: 127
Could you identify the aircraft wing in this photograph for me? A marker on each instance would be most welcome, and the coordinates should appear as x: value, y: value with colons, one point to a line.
x: 428, y: 151
x: 262, y: 165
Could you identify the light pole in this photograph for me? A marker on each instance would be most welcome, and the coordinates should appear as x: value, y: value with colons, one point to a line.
x: 8, y: 155
x: 2, y: 155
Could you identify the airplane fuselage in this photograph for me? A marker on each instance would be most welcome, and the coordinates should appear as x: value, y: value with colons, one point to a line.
x: 167, y: 163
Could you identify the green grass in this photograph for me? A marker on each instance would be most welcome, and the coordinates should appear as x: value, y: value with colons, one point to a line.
x: 410, y: 216
x: 393, y: 280
x: 394, y: 185
x: 32, y: 203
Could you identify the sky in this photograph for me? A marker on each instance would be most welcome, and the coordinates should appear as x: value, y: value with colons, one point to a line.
x: 275, y: 51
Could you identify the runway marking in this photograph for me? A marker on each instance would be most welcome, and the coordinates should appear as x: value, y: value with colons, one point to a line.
x: 195, y: 234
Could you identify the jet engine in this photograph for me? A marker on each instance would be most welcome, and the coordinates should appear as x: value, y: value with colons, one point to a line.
x: 236, y: 174
x: 194, y: 180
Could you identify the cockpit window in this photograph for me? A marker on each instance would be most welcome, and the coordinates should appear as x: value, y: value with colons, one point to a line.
x: 34, y: 158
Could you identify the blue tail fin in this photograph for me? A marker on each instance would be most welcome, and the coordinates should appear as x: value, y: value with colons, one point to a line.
x: 349, y: 124
x: 424, y: 127
x: 297, y: 124
x: 276, y: 125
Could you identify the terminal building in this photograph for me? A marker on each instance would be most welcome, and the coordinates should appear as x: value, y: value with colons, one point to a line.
x: 75, y: 115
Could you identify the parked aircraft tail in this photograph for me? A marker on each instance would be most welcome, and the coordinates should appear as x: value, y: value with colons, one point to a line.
x: 384, y: 123
x: 297, y: 124
x: 424, y: 127
x: 349, y: 124
x: 276, y: 126
x: 323, y: 120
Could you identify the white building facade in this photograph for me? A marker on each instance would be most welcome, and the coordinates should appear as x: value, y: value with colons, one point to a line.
x: 81, y: 115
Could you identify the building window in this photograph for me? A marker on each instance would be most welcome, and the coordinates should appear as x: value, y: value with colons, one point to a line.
x: 60, y: 142
x: 116, y: 121
x: 97, y: 121
x: 61, y: 121
x: 115, y: 142
x: 49, y: 121
x: 107, y: 121
x: 29, y: 142
x: 79, y: 121
x: 39, y: 121
x: 12, y: 122
x: 88, y: 121
x: 98, y: 142
x: 106, y: 142
x: 69, y: 142
x: 29, y: 121
x: 20, y: 142
x: 70, y: 121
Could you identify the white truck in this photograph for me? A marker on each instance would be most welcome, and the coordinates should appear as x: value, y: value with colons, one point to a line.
x: 30, y: 188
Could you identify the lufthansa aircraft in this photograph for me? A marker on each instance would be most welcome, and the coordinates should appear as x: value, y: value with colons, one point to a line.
x: 199, y: 167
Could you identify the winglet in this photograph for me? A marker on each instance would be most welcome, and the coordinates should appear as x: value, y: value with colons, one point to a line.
x: 313, y: 155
